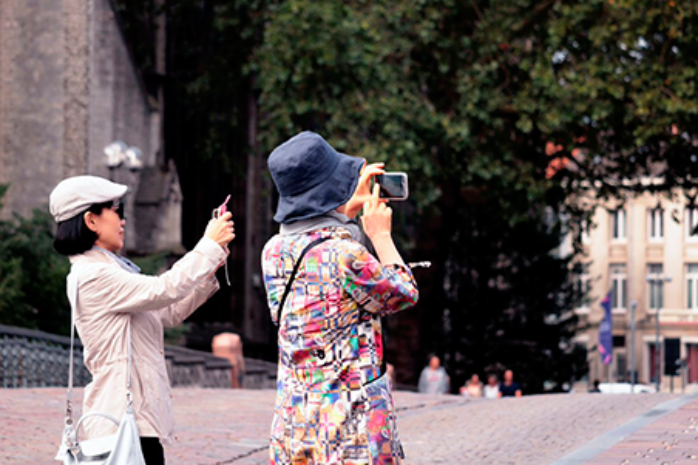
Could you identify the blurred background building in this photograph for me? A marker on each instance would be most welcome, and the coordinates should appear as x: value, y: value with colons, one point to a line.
x: 645, y: 251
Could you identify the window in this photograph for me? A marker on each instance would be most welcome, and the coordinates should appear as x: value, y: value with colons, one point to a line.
x: 692, y: 223
x: 655, y: 281
x: 618, y: 220
x: 621, y: 366
x: 655, y: 224
x: 619, y: 285
x: 653, y: 361
x: 692, y: 286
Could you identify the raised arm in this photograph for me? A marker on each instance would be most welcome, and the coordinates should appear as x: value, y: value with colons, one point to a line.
x: 377, y: 288
x: 117, y: 290
x: 384, y: 286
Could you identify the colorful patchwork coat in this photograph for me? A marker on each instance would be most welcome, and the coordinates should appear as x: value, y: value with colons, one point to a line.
x: 333, y: 406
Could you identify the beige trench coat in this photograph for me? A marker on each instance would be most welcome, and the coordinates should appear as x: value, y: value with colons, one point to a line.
x: 109, y: 299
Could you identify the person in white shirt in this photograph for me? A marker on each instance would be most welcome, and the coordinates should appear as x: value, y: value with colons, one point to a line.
x: 491, y: 390
x: 434, y: 379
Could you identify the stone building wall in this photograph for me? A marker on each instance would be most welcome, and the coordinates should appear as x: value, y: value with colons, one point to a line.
x: 119, y: 109
x: 68, y: 88
x: 32, y: 66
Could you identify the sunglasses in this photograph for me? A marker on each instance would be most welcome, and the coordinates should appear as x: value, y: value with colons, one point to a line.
x: 118, y: 207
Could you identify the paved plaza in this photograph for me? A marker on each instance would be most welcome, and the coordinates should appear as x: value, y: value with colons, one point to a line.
x: 231, y: 427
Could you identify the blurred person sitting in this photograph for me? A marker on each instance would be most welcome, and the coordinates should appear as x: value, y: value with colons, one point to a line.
x: 473, y: 387
x: 434, y: 379
x: 509, y: 388
x: 491, y: 389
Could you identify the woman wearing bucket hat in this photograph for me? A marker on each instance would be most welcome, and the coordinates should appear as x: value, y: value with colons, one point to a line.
x: 327, y: 294
x: 118, y: 311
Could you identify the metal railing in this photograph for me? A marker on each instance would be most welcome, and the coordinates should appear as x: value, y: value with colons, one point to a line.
x: 31, y: 358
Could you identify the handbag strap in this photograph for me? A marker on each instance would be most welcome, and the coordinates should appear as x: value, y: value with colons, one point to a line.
x: 72, y: 298
x: 317, y: 241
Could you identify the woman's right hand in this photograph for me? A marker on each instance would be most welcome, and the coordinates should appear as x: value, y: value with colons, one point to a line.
x: 377, y: 221
x: 377, y: 216
x: 221, y: 230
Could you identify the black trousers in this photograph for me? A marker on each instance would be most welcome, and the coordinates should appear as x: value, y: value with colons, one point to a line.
x: 153, y: 453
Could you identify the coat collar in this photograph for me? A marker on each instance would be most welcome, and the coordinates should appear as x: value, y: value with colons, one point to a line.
x: 100, y: 255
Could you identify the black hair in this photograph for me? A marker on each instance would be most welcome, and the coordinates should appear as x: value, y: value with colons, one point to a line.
x: 73, y: 236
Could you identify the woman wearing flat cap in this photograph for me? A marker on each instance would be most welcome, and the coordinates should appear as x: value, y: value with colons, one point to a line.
x: 117, y: 305
x: 327, y: 293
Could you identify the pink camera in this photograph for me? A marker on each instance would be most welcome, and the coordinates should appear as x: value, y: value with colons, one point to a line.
x: 222, y: 209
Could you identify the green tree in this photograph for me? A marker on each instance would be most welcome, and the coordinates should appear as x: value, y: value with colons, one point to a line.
x: 32, y: 274
x: 469, y: 98
x: 403, y: 82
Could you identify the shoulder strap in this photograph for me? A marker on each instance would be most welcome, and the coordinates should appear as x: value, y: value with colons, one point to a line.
x: 317, y: 241
x: 72, y: 298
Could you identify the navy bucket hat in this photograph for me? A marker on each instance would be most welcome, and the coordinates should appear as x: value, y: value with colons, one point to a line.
x: 312, y: 178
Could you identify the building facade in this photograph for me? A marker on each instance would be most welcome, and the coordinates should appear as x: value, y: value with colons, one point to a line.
x: 644, y: 252
x: 69, y: 88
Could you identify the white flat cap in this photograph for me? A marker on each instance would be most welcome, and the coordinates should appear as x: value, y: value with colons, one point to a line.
x: 73, y: 196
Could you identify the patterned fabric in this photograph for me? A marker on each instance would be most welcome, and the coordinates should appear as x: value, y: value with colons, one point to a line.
x: 332, y: 404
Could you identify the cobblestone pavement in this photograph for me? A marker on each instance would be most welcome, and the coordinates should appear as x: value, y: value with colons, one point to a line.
x: 671, y: 439
x: 231, y: 426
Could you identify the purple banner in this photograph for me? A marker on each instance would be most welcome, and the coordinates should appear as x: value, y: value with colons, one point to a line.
x: 606, y: 331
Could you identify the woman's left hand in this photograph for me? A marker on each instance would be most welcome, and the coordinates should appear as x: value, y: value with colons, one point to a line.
x: 363, y: 189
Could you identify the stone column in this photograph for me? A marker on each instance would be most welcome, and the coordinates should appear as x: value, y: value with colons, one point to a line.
x: 76, y: 15
x: 7, y: 27
x: 158, y: 136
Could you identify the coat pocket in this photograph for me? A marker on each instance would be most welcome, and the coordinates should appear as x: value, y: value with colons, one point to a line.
x: 380, y: 425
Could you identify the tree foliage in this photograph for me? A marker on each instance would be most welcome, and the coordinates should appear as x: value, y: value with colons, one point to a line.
x: 503, y: 113
x: 32, y: 274
x: 428, y: 88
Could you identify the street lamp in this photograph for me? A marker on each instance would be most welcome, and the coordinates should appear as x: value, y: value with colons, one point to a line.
x: 118, y: 153
x: 660, y: 279
x: 134, y: 158
x: 115, y: 154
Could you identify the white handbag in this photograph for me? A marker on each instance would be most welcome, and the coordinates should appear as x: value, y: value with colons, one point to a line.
x: 122, y: 448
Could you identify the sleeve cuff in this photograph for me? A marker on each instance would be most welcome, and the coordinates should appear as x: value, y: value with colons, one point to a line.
x: 399, y: 266
x: 209, y: 286
x: 211, y: 249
